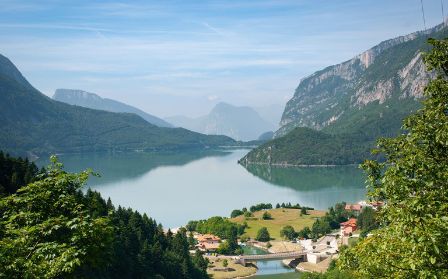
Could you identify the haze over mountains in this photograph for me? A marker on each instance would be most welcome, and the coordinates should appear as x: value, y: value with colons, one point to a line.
x: 32, y: 124
x: 337, y: 113
x: 240, y: 123
x: 93, y: 101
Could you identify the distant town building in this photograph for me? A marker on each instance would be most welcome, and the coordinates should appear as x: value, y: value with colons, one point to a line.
x: 348, y: 227
x: 354, y: 207
x: 208, y: 242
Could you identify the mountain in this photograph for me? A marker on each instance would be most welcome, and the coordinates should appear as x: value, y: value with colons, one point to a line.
x: 93, y: 101
x: 240, y: 123
x: 32, y: 123
x: 352, y: 104
x: 271, y: 113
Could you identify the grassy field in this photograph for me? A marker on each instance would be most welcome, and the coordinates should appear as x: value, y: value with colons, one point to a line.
x: 289, y: 275
x: 280, y: 218
x: 238, y: 270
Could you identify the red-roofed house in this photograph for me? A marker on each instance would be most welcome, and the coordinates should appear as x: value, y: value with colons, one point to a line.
x: 353, y: 207
x: 348, y: 227
x: 208, y: 242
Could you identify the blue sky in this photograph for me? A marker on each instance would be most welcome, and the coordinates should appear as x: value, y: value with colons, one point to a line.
x: 181, y: 57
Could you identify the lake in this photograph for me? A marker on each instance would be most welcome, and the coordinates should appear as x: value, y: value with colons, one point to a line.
x: 175, y: 187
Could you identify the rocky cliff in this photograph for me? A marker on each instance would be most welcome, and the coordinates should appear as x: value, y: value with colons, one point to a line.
x: 393, y: 69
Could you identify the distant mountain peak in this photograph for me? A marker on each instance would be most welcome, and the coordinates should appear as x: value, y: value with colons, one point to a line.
x: 91, y: 100
x: 75, y: 93
x: 238, y: 122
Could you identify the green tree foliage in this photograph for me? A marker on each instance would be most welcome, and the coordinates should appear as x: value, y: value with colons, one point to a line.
x: 46, y: 232
x: 324, y: 225
x: 303, y: 211
x: 263, y: 235
x: 331, y: 274
x: 14, y: 173
x: 320, y: 228
x: 413, y: 239
x: 223, y: 228
x: 266, y: 216
x: 50, y: 229
x: 260, y: 206
x: 288, y: 232
x: 236, y: 213
x: 367, y: 220
x: 304, y: 233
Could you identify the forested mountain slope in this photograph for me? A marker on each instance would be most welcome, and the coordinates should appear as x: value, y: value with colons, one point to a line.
x: 31, y: 123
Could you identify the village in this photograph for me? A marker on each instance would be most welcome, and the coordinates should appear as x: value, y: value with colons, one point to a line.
x: 298, y: 253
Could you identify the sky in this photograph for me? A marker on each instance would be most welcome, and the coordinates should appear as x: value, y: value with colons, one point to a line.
x: 182, y: 57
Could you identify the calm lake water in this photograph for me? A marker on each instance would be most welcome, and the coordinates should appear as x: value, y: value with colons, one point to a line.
x: 177, y: 187
x: 266, y: 267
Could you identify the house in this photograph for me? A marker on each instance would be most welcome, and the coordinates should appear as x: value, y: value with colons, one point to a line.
x: 353, y: 207
x: 208, y: 242
x: 376, y: 204
x: 348, y: 227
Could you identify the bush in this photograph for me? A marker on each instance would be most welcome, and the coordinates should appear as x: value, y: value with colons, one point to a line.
x: 267, y: 216
x: 263, y: 235
x: 288, y: 232
x: 236, y: 213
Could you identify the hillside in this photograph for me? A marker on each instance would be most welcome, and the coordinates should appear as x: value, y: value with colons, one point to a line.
x: 349, y: 105
x: 93, y: 101
x: 32, y: 123
x: 240, y: 123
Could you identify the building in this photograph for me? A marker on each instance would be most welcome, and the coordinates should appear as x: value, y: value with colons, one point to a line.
x: 208, y: 242
x: 354, y: 207
x: 348, y: 227
x: 376, y: 204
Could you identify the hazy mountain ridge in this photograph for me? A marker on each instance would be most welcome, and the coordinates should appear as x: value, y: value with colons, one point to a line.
x: 32, y: 123
x: 240, y: 123
x: 337, y: 113
x: 93, y: 101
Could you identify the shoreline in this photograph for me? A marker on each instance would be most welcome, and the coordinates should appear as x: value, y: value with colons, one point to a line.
x: 286, y: 165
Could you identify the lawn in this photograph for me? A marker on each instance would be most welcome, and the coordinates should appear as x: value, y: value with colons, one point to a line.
x: 289, y: 275
x: 238, y: 270
x: 280, y: 218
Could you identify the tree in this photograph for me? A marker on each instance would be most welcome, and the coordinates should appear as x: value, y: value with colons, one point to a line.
x: 304, y: 233
x: 366, y: 219
x: 303, y: 211
x: 263, y: 235
x: 320, y: 228
x: 267, y: 216
x: 236, y: 213
x: 225, y: 263
x: 47, y: 232
x: 413, y: 239
x: 191, y: 240
x: 288, y: 232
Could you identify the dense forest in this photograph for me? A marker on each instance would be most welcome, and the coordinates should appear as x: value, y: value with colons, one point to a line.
x: 305, y: 146
x: 51, y: 229
x: 15, y: 172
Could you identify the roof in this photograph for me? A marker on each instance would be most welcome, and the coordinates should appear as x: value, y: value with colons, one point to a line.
x: 355, y: 207
x: 208, y: 237
x: 350, y: 223
x: 208, y: 246
x: 377, y: 203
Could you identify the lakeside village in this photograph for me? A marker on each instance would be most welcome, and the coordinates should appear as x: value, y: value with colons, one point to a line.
x: 304, y: 239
